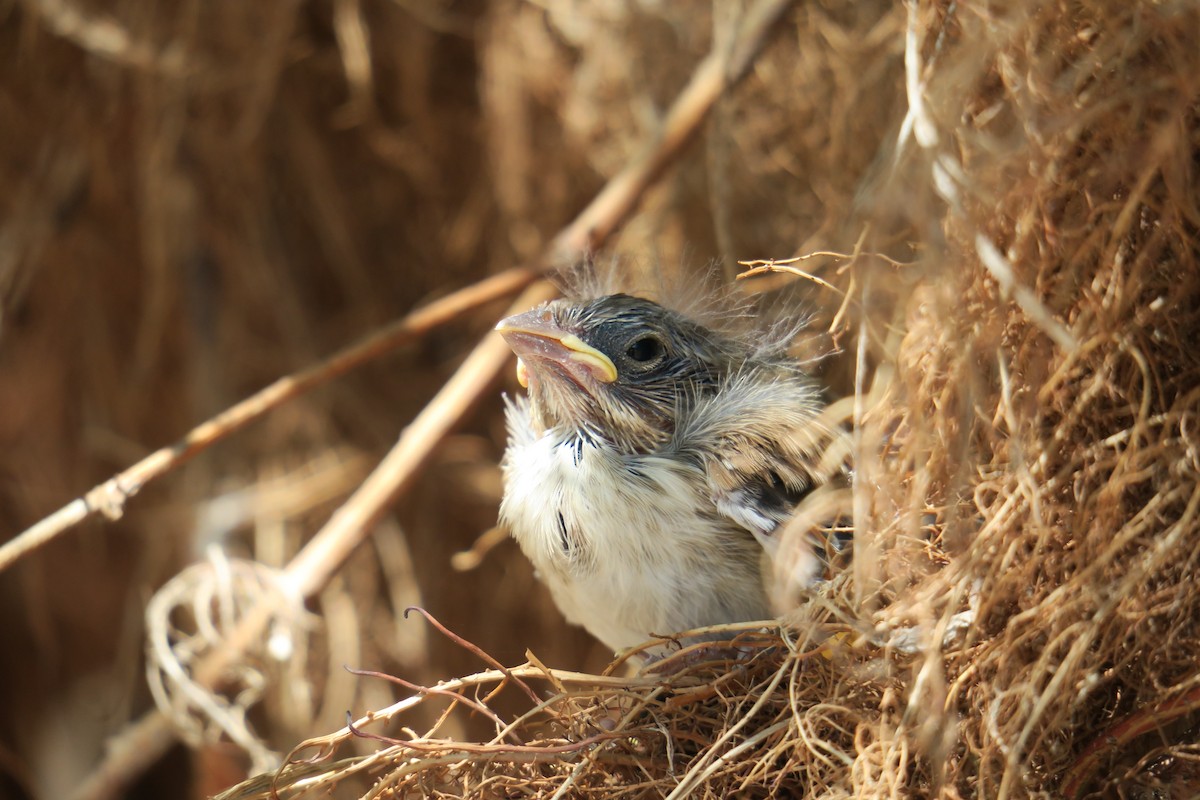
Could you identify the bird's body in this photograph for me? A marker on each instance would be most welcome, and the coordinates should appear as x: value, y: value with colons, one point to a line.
x: 651, y: 464
x: 630, y: 545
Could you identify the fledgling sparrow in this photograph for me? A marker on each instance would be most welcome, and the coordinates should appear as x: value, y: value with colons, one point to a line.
x: 651, y: 463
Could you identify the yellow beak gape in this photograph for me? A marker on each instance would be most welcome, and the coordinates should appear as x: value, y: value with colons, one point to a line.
x: 602, y: 366
x: 532, y: 336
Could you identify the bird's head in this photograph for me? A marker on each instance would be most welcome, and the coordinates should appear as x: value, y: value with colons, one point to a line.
x: 616, y: 367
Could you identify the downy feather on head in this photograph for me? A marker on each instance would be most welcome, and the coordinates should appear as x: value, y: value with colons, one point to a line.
x: 767, y: 324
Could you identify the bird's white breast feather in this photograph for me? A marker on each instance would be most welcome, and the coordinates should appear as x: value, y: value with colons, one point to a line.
x: 634, y: 553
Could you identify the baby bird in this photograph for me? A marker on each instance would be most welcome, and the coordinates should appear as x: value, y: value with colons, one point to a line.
x: 651, y: 463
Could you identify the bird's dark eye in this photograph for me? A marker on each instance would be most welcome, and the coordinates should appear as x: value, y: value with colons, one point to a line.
x: 645, y: 349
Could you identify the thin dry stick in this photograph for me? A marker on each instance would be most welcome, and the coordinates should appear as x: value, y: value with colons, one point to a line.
x: 321, y: 558
x: 1117, y: 737
x: 720, y: 70
x: 316, y: 563
x: 323, y: 555
x: 109, y: 498
x: 104, y: 37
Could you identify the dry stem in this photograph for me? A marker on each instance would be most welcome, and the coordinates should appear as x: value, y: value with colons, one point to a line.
x: 351, y: 523
x: 109, y: 498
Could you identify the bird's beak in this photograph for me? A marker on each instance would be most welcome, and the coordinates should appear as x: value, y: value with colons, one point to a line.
x: 535, y: 337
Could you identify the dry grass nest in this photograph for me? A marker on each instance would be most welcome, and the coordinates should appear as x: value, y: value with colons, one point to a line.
x: 1020, y: 618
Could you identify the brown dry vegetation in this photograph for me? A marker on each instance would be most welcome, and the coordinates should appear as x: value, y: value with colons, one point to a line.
x: 198, y: 198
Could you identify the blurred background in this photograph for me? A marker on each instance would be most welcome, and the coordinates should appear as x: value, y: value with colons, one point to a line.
x: 199, y: 197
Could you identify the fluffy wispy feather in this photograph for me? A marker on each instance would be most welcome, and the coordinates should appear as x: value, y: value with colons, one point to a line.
x: 655, y: 458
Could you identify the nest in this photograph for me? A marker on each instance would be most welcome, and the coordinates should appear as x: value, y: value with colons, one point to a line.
x: 1020, y: 618
x: 999, y: 207
x: 721, y: 715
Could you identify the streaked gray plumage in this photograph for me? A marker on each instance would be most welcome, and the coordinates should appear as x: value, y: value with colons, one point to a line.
x: 650, y: 464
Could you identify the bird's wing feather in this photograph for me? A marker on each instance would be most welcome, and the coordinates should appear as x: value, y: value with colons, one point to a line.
x: 755, y: 438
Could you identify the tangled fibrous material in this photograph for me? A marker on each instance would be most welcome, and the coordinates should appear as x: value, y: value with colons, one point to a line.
x: 1020, y: 619
x: 194, y: 616
x: 711, y: 714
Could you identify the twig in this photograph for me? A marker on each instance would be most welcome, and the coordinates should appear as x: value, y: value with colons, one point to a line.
x: 1118, y: 737
x: 351, y: 523
x: 109, y: 498
x: 476, y: 649
x: 778, y: 266
x: 719, y: 71
x: 320, y: 559
x: 313, y: 566
x: 104, y: 37
x: 326, y: 745
x: 1001, y: 269
x: 948, y: 179
x: 694, y: 778
x: 539, y: 752
x: 471, y: 703
x: 709, y: 761
x: 128, y: 754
